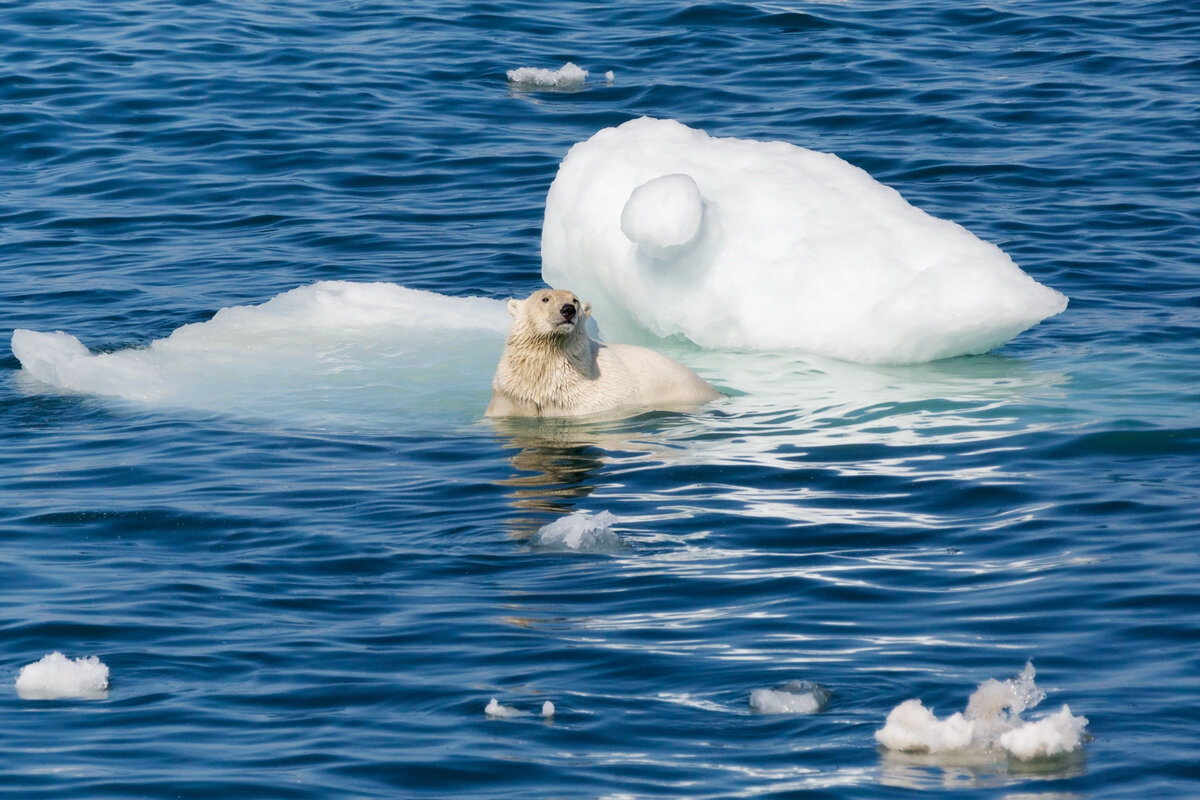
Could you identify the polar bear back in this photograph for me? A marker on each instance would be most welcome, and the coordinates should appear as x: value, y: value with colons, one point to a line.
x: 649, y: 379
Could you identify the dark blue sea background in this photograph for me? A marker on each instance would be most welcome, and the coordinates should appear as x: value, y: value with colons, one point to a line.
x: 294, y: 605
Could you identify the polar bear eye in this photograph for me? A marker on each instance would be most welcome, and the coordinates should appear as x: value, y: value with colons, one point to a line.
x: 545, y: 299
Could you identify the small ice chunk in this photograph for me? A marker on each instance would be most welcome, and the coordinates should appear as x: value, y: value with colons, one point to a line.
x: 663, y: 215
x: 568, y: 76
x: 608, y: 76
x: 581, y: 532
x: 913, y: 727
x: 1051, y: 736
x: 991, y: 722
x: 56, y: 677
x: 796, y: 697
x: 547, y: 709
x: 497, y: 711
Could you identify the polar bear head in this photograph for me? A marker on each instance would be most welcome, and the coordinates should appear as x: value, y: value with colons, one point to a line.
x: 549, y: 313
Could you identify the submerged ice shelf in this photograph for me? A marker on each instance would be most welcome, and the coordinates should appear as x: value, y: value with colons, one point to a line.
x: 740, y: 244
x: 332, y: 353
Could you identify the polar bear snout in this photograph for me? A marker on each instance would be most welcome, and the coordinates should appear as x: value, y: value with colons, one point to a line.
x: 568, y: 312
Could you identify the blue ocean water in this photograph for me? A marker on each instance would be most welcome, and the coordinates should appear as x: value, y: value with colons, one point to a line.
x: 302, y: 597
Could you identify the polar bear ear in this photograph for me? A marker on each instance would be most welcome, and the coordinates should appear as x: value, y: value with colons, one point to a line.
x: 585, y: 310
x: 514, y: 305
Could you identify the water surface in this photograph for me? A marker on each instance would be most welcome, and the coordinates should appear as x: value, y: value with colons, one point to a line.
x: 310, y: 590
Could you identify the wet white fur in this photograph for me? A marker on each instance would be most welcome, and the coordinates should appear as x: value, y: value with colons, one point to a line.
x: 551, y: 367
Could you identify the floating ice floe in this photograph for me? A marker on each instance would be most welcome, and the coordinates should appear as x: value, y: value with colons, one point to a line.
x: 567, y: 77
x: 992, y: 721
x: 56, y: 677
x: 794, y: 697
x: 581, y: 532
x: 497, y: 711
x: 741, y: 244
x: 494, y: 709
x: 323, y: 353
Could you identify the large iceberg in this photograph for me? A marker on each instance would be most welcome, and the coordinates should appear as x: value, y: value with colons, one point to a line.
x: 741, y: 244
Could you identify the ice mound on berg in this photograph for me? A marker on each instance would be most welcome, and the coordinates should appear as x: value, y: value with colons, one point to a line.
x: 57, y: 677
x: 331, y: 353
x: 741, y: 244
x: 991, y: 722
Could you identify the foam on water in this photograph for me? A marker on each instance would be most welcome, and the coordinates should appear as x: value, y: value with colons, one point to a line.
x: 991, y: 722
x: 744, y: 244
x: 794, y: 697
x: 581, y: 532
x: 56, y: 677
x: 328, y: 352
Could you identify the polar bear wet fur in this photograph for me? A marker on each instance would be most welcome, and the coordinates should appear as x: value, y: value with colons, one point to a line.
x: 551, y: 367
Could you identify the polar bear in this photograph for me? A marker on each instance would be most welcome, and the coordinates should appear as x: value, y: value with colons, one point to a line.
x: 551, y: 367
